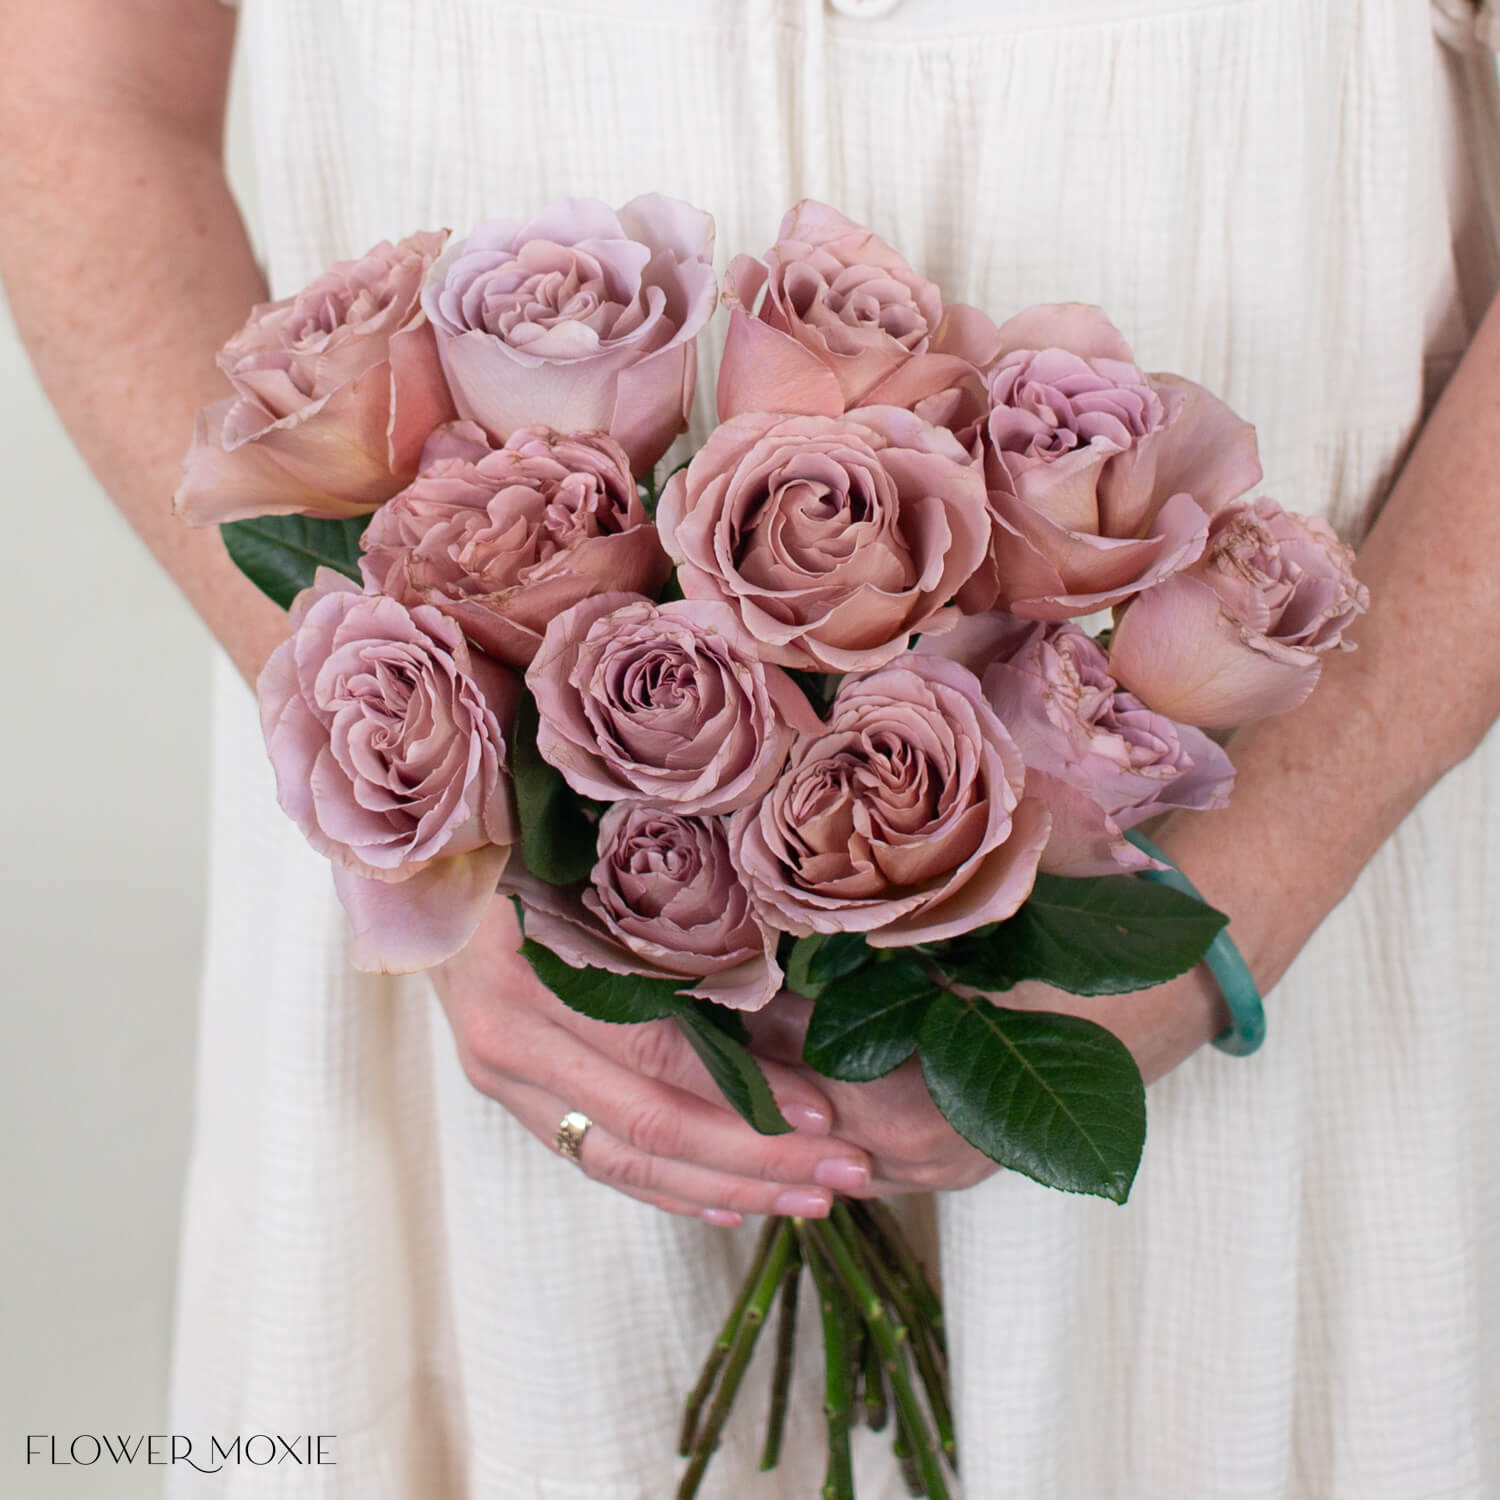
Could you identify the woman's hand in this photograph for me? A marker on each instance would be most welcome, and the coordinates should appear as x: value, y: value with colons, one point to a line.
x: 662, y: 1131
x: 911, y: 1147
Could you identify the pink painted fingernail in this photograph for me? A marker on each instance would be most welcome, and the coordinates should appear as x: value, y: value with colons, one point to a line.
x: 842, y: 1174
x: 805, y: 1117
x: 798, y: 1203
x: 722, y: 1218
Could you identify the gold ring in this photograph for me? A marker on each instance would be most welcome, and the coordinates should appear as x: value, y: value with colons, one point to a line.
x: 570, y: 1134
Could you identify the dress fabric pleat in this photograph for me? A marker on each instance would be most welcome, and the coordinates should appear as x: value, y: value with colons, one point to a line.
x: 1292, y: 201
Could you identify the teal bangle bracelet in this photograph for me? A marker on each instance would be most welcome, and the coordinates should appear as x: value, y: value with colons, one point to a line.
x: 1247, y: 1016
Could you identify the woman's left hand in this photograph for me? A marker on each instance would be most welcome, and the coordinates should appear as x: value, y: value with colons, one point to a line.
x: 911, y: 1146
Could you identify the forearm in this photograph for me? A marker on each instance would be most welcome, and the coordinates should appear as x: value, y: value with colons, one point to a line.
x: 127, y: 266
x: 1320, y: 789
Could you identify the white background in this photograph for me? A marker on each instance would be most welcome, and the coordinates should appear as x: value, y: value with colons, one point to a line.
x: 104, y: 769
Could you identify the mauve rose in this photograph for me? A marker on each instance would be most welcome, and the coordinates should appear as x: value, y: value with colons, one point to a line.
x: 668, y: 702
x: 583, y: 319
x: 505, y: 539
x: 1095, y: 754
x: 385, y: 734
x: 832, y: 538
x: 841, y: 309
x: 337, y: 389
x: 1242, y: 634
x: 664, y: 901
x: 1101, y: 477
x: 903, y: 818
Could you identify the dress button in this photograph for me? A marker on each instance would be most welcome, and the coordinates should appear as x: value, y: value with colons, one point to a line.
x: 865, y: 10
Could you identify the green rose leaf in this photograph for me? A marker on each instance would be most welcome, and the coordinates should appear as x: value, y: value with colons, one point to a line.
x: 818, y: 960
x: 602, y: 995
x: 1104, y: 936
x: 280, y: 554
x: 732, y: 1067
x: 560, y: 842
x: 865, y: 1025
x: 716, y: 1035
x: 1056, y: 1098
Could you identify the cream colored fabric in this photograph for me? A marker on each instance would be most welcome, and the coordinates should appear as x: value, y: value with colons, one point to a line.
x: 1285, y: 199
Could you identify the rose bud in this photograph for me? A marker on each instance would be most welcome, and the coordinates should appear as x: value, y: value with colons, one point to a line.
x: 840, y: 310
x: 384, y: 731
x: 1242, y: 634
x: 1101, y: 477
x: 833, y: 539
x: 902, y: 819
x: 505, y: 539
x: 1095, y: 754
x: 668, y: 702
x: 664, y: 901
x: 336, y: 389
x: 583, y: 319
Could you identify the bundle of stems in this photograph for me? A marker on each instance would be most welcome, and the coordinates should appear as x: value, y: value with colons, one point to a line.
x: 885, y: 1352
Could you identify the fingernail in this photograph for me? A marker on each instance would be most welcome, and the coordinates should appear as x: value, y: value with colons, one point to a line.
x: 798, y: 1203
x: 842, y: 1174
x: 805, y: 1117
x: 721, y: 1218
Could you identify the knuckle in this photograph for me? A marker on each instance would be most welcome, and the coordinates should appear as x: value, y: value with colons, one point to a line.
x: 655, y: 1128
x: 483, y: 1048
x: 651, y: 1049
x: 623, y: 1168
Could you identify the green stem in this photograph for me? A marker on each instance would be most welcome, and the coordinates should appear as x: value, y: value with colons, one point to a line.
x: 901, y: 1447
x: 720, y: 1350
x: 897, y: 1292
x: 740, y: 1351
x: 838, y: 1482
x: 786, y: 1344
x: 884, y: 1225
x: 890, y: 1335
x: 875, y: 1411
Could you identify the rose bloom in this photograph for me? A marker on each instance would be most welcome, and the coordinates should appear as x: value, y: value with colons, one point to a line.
x: 1101, y: 477
x: 1098, y: 758
x: 664, y: 901
x: 903, y: 818
x: 384, y: 731
x: 840, y: 310
x: 668, y: 702
x: 1242, y: 634
x: 336, y: 390
x: 583, y: 319
x: 833, y: 539
x: 505, y: 539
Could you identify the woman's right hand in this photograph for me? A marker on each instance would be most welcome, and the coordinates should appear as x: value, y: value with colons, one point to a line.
x: 662, y: 1132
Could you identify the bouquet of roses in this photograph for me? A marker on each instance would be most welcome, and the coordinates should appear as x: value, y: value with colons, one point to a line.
x: 813, y: 711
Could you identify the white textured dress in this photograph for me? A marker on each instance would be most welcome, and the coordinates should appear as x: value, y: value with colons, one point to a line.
x: 1284, y: 199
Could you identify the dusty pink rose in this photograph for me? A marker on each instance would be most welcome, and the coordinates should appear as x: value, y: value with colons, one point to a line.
x: 385, y: 735
x: 832, y: 538
x: 665, y: 901
x: 902, y: 818
x: 506, y: 539
x: 1102, y: 478
x: 1095, y: 754
x: 1242, y: 634
x: 668, y: 702
x: 336, y: 389
x: 840, y: 310
x: 583, y: 319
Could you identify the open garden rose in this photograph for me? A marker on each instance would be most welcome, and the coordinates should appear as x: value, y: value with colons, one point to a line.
x: 1098, y: 758
x: 1101, y: 478
x: 336, y: 390
x: 505, y: 539
x: 1242, y: 634
x: 582, y: 319
x: 385, y: 734
x: 840, y: 310
x: 664, y: 900
x: 902, y: 818
x: 833, y: 539
x: 663, y: 701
